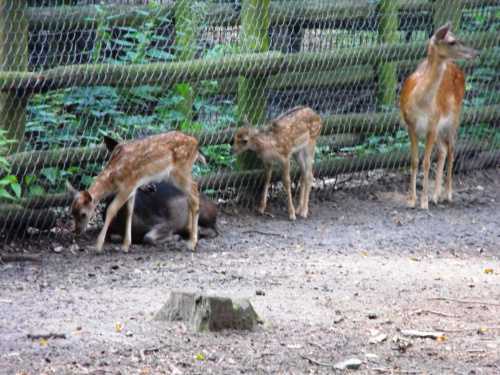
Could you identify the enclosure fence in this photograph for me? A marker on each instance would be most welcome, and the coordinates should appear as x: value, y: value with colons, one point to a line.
x: 74, y: 71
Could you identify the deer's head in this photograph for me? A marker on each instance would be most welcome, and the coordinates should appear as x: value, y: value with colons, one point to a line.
x: 447, y: 46
x: 243, y: 139
x: 82, y: 207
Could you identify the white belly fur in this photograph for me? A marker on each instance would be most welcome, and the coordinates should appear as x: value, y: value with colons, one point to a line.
x: 445, y: 126
x: 160, y: 176
x: 422, y: 125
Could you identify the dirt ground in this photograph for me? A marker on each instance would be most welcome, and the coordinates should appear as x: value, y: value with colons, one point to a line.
x: 361, y: 268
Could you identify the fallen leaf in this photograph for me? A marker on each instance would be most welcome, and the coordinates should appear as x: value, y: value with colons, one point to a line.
x: 488, y: 270
x: 79, y: 330
x: 118, y: 327
x: 320, y: 229
x: 200, y: 356
x: 441, y: 338
x: 416, y: 259
x: 400, y: 223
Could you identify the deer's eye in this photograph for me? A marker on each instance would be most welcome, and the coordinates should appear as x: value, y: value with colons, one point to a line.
x: 453, y: 42
x: 245, y: 141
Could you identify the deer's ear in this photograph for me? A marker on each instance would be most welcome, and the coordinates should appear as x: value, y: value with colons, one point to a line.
x: 245, y: 121
x: 110, y: 143
x: 87, y: 198
x: 442, y: 31
x: 71, y: 189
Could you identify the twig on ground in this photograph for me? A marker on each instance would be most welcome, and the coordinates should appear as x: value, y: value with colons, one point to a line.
x: 265, y: 233
x: 422, y: 311
x: 422, y: 335
x: 317, y: 345
x: 467, y: 329
x: 262, y: 355
x: 49, y: 335
x: 7, y: 301
x: 5, y: 258
x: 317, y: 362
x: 463, y: 301
x: 142, y: 353
x: 397, y: 371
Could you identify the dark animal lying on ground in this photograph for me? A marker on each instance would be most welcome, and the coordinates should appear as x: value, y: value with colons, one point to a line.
x: 161, y: 213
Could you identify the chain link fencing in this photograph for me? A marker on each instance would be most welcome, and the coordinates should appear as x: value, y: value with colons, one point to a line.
x: 74, y: 71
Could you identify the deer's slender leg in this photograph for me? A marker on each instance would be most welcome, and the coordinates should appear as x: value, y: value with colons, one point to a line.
x: 429, y: 144
x: 414, y: 168
x: 128, y: 224
x: 302, y: 162
x: 287, y: 183
x: 194, y: 207
x: 442, y: 149
x: 309, y: 177
x: 451, y: 153
x: 267, y: 180
x: 113, y: 208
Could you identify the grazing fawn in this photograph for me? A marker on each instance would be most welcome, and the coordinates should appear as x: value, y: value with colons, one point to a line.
x: 161, y: 213
x: 430, y: 103
x: 294, y: 132
x: 161, y: 157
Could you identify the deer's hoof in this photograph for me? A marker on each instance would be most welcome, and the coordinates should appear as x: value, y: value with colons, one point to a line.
x: 96, y: 250
x: 410, y: 205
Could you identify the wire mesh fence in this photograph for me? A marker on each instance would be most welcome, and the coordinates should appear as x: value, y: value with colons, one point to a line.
x: 74, y: 71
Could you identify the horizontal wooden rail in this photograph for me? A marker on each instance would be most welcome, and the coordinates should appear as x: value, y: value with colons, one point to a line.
x: 348, y: 13
x: 257, y: 64
x: 467, y: 157
x: 340, y: 125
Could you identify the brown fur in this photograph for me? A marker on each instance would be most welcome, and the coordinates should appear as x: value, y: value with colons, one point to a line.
x: 161, y: 213
x: 430, y: 103
x: 294, y: 132
x: 167, y: 156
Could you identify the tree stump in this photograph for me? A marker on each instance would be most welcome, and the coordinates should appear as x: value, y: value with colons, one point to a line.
x: 209, y: 312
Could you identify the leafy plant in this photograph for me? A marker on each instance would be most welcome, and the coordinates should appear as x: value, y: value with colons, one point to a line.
x: 8, y: 184
x: 376, y: 143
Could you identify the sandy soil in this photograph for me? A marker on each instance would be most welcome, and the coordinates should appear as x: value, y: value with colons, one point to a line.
x: 362, y: 267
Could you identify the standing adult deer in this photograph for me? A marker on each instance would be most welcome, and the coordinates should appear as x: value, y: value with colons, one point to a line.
x: 294, y: 132
x: 430, y: 103
x: 161, y: 157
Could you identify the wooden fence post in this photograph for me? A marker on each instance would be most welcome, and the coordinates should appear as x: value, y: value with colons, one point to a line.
x: 387, y: 71
x: 252, y: 94
x: 252, y: 97
x: 13, y: 57
x: 185, y: 28
x: 448, y: 10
